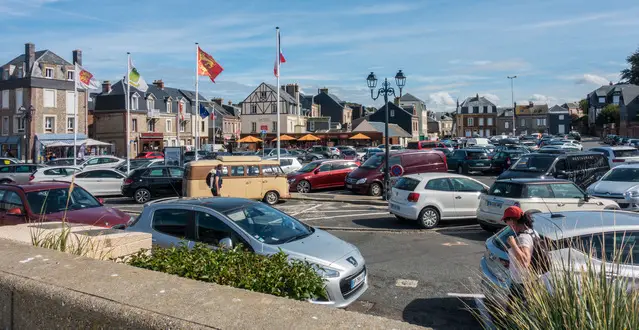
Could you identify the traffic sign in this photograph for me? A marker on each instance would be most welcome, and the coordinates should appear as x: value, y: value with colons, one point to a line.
x: 396, y: 170
x: 264, y: 127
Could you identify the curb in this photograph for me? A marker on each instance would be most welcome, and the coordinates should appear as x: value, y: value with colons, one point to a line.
x: 360, y: 202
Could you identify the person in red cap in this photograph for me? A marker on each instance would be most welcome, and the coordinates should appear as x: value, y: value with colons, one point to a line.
x: 520, y: 248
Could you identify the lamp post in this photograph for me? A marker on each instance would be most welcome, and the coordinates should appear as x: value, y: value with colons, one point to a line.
x: 512, y: 95
x: 386, y: 90
x: 27, y: 115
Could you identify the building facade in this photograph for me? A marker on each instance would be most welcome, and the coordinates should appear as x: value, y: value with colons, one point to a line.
x: 504, y: 121
x: 228, y: 124
x: 476, y: 116
x: 559, y: 120
x: 397, y: 115
x: 44, y: 82
x: 531, y: 118
x: 331, y: 106
x: 259, y: 111
x: 419, y: 109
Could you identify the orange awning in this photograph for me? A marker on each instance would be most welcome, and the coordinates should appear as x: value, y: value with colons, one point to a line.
x: 249, y: 139
x: 359, y: 136
x: 285, y: 137
x: 309, y: 137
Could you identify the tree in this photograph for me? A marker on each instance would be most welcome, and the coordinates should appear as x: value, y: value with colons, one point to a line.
x: 631, y: 74
x: 583, y: 105
x: 608, y: 115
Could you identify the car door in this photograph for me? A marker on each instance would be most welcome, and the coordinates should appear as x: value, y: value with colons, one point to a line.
x: 172, y: 226
x: 339, y: 172
x: 456, y: 159
x: 253, y: 182
x: 321, y: 176
x: 177, y: 175
x: 568, y: 197
x: 12, y: 200
x: 442, y: 191
x: 210, y: 230
x: 89, y: 180
x: 111, y: 182
x: 235, y: 184
x: 466, y: 194
x: 158, y: 181
x: 3, y: 208
x: 22, y: 173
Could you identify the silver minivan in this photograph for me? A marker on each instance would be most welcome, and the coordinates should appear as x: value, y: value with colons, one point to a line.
x: 264, y: 230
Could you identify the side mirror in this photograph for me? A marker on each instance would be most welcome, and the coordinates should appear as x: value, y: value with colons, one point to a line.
x: 15, y: 211
x: 586, y: 197
x: 316, y: 171
x: 226, y: 243
x: 101, y: 201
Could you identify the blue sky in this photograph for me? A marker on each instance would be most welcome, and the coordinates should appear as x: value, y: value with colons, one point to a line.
x: 559, y: 49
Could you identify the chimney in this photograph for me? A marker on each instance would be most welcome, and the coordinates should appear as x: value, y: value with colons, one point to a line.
x: 77, y: 57
x: 217, y: 100
x: 294, y: 91
x: 29, y: 57
x: 230, y: 102
x: 530, y: 103
x: 106, y: 87
x: 324, y: 90
x: 397, y: 100
x: 159, y: 83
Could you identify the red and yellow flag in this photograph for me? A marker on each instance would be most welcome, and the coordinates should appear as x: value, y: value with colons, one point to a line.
x: 207, y: 65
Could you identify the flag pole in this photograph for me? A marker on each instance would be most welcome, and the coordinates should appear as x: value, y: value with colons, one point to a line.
x: 197, y: 98
x: 128, y: 113
x: 75, y: 115
x: 277, y: 32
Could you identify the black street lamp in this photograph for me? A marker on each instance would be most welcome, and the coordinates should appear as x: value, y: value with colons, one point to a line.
x: 386, y: 90
x: 27, y: 115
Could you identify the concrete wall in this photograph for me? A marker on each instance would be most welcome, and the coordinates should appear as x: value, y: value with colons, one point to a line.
x: 46, y: 289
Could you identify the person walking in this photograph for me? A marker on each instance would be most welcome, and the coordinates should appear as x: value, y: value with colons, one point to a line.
x: 520, y: 249
x: 216, y: 181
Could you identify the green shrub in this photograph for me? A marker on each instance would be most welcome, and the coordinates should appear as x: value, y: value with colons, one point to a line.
x: 275, y: 275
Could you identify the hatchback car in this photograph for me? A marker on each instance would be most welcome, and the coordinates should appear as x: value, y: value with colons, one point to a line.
x: 53, y: 172
x: 464, y: 161
x: 288, y: 164
x: 618, y: 155
x: 430, y: 197
x: 350, y: 154
x: 620, y: 184
x: 65, y: 162
x: 55, y: 201
x: 17, y: 173
x: 262, y: 229
x: 99, y: 181
x: 102, y: 162
x: 153, y: 182
x: 321, y: 174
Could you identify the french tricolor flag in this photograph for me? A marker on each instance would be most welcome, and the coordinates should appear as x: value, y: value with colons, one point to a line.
x: 280, y: 57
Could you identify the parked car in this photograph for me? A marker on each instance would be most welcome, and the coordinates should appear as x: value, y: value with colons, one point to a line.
x: 582, y: 168
x: 392, y: 147
x: 342, y: 148
x: 446, y: 151
x: 9, y: 161
x: 370, y: 152
x: 288, y: 164
x: 321, y: 174
x: 150, y: 155
x: 574, y: 135
x: 272, y: 152
x: 430, y: 197
x: 350, y: 154
x: 369, y: 177
x: 502, y: 160
x: 464, y: 161
x: 562, y: 144
x: 321, y: 150
x: 102, y: 162
x: 52, y: 172
x: 190, y: 156
x: 144, y: 184
x: 311, y: 156
x: 541, y: 195
x: 620, y: 184
x: 99, y: 181
x: 265, y: 230
x: 582, y: 236
x: 55, y: 201
x: 17, y: 173
x: 140, y: 163
x: 618, y: 155
x: 65, y: 162
x: 426, y: 145
x: 335, y: 153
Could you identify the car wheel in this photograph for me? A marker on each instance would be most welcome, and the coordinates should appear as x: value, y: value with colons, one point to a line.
x: 303, y: 187
x: 5, y: 181
x: 376, y: 189
x: 271, y: 198
x: 142, y: 195
x: 335, y: 156
x: 428, y: 218
x: 487, y: 228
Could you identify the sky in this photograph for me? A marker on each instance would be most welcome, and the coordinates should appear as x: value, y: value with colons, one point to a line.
x: 560, y: 50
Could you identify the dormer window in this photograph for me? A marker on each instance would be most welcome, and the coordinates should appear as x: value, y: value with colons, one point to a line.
x: 48, y: 73
x: 134, y: 102
x: 615, y: 99
x: 392, y: 113
x: 70, y: 74
x: 150, y: 103
x: 169, y: 106
x: 602, y: 99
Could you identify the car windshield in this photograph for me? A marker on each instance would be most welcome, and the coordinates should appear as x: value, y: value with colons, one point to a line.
x: 58, y: 200
x: 269, y: 225
x: 374, y: 162
x: 626, y: 153
x: 308, y: 167
x: 533, y: 164
x: 622, y: 175
x: 349, y: 152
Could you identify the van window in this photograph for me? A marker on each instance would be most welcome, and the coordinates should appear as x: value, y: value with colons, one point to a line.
x: 505, y: 189
x: 560, y: 165
x: 237, y: 170
x: 412, y: 145
x: 582, y: 162
x: 253, y: 170
x: 533, y: 164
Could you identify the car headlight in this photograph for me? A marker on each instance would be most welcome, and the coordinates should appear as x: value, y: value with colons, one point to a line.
x: 325, y: 271
x: 631, y: 194
x: 291, y: 181
x: 361, y: 181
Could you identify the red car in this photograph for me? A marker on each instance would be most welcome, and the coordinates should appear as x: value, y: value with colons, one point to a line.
x: 321, y: 174
x: 150, y: 155
x: 50, y: 201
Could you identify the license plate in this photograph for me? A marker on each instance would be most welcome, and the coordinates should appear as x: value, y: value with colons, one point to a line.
x: 394, y: 207
x: 349, y: 186
x: 494, y: 204
x: 358, y: 280
x: 479, y: 164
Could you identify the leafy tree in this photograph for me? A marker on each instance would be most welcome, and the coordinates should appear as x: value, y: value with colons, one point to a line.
x: 608, y: 115
x: 574, y: 119
x: 583, y: 105
x: 631, y: 74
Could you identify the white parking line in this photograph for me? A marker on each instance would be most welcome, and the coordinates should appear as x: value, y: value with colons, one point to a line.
x: 307, y: 210
x: 406, y: 283
x: 467, y: 295
x: 347, y: 216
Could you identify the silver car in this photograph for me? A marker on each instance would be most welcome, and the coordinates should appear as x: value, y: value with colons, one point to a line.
x: 266, y: 230
x: 620, y: 184
x: 17, y: 173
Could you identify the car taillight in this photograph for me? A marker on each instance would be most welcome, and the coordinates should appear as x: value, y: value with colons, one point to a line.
x: 128, y: 181
x: 508, y: 161
x: 413, y: 197
x: 618, y: 160
x: 31, y: 177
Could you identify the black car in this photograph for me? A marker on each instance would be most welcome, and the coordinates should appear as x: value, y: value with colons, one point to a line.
x: 153, y: 182
x: 468, y: 160
x: 582, y: 168
x: 503, y: 159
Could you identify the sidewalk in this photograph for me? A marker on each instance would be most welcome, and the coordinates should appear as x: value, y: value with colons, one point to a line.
x: 344, y: 198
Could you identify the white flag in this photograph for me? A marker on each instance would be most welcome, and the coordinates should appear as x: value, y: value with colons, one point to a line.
x: 135, y: 78
x: 85, y: 80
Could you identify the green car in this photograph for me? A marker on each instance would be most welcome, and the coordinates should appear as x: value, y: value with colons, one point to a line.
x: 464, y: 161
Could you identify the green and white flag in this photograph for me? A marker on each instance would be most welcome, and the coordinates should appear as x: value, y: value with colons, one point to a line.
x: 135, y: 79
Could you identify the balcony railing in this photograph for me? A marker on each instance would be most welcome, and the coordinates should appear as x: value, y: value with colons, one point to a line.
x: 153, y: 113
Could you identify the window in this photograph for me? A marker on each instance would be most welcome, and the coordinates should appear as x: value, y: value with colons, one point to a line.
x: 182, y: 126
x: 5, y: 99
x: 48, y: 73
x: 150, y: 103
x: 253, y: 170
x: 201, y: 126
x: 274, y: 109
x: 5, y: 74
x: 538, y: 191
x: 49, y: 98
x: 325, y: 168
x: 566, y: 190
x: 55, y: 171
x: 169, y: 125
x: 150, y: 124
x: 237, y: 170
x: 541, y: 121
x: 12, y: 200
x: 471, y: 121
x: 134, y: 102
x: 475, y: 109
x: 466, y: 185
x: 489, y: 122
x: 25, y: 169
x: 481, y: 121
x: 523, y: 122
x: 253, y: 108
x: 272, y: 170
x: 70, y: 124
x: 49, y: 124
x: 134, y: 125
x: 439, y: 184
x: 602, y: 99
x: 506, y: 124
x: 615, y: 99
x: 274, y: 129
x: 253, y: 127
x: 173, y: 222
x: 210, y: 229
x: 485, y: 109
x: 6, y: 169
x: 70, y: 103
x: 392, y: 113
x: 157, y: 173
x: 5, y: 125
x: 262, y: 95
x: 505, y: 189
x: 19, y: 124
x: 177, y: 172
x: 70, y: 75
x: 169, y: 106
x: 611, y: 246
x: 19, y: 99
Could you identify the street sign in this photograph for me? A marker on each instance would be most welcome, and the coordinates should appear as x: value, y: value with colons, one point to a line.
x: 264, y: 128
x: 396, y: 170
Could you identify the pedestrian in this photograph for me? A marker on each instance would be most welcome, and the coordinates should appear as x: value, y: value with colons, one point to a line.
x: 520, y: 249
x: 216, y: 181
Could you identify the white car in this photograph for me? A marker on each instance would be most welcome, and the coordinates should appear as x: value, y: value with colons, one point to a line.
x: 53, y: 172
x: 543, y: 195
x: 99, y: 181
x: 620, y: 184
x: 139, y: 163
x: 430, y: 197
x: 102, y: 162
x: 289, y: 164
x: 566, y: 145
x: 618, y: 155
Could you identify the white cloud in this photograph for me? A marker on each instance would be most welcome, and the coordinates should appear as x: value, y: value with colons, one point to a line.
x: 588, y: 78
x: 568, y: 21
x: 441, y: 99
x: 491, y: 97
x: 543, y: 99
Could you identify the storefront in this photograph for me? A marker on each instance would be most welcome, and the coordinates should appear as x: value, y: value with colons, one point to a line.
x: 151, y: 141
x: 11, y: 146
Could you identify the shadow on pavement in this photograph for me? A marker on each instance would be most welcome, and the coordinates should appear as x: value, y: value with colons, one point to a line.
x: 389, y: 222
x: 473, y: 233
x: 441, y: 313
